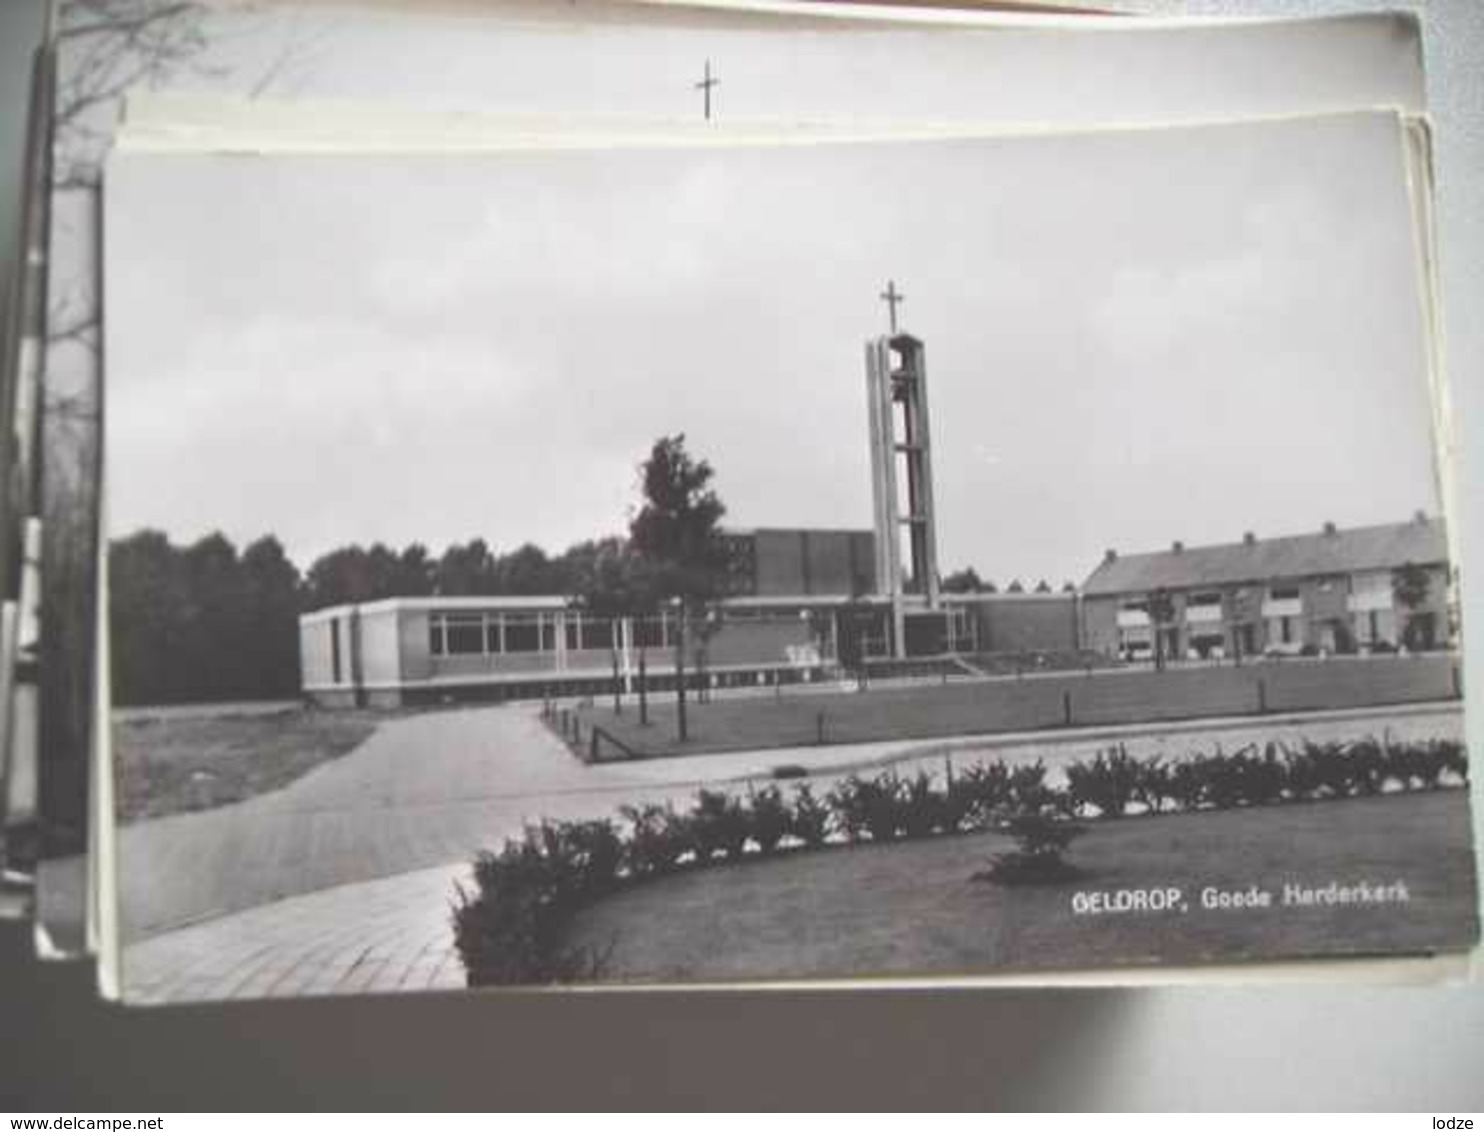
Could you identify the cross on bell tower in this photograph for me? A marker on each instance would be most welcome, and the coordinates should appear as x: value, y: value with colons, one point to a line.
x: 891, y: 297
x: 705, y: 85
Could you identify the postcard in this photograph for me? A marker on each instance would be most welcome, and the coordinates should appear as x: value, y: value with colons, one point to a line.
x: 689, y: 565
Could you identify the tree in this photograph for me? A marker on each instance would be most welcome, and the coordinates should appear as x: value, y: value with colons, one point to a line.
x: 1161, y: 613
x: 1410, y: 588
x: 526, y: 571
x: 465, y: 570
x: 1043, y: 586
x: 215, y: 621
x: 270, y: 644
x: 414, y: 571
x: 963, y: 582
x: 1015, y: 587
x: 146, y: 589
x: 353, y: 573
x: 201, y: 622
x: 616, y: 584
x: 677, y: 535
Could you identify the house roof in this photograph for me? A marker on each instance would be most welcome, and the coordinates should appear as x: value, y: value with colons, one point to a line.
x: 547, y: 603
x: 1384, y: 547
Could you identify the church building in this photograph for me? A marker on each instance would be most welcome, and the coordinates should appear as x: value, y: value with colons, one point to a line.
x: 805, y: 605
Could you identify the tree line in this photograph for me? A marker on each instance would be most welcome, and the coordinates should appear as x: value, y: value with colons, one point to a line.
x: 968, y: 581
x: 205, y: 621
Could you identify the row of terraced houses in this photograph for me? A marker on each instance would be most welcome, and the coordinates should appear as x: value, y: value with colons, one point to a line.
x: 1366, y: 589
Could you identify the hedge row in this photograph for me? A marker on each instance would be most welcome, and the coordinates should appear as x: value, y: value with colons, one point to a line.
x: 510, y: 930
x: 1114, y: 783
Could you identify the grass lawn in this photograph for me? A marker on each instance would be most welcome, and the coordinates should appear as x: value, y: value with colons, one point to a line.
x: 930, y: 711
x: 914, y: 907
x: 172, y: 762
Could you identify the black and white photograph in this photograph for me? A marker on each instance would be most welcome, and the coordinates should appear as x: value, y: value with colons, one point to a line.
x: 738, y: 563
x: 246, y: 78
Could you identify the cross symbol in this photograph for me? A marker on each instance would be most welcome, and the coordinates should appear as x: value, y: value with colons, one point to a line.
x: 705, y: 86
x: 891, y: 296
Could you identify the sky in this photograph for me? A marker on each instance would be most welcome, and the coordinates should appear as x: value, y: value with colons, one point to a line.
x: 532, y: 55
x: 1132, y: 337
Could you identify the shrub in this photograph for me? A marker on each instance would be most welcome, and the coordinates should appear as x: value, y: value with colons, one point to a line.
x: 809, y: 818
x: 1267, y: 777
x: 1369, y: 766
x: 1425, y: 764
x: 1455, y: 757
x: 1108, y: 783
x: 1027, y: 787
x: 958, y: 801
x: 979, y: 791
x: 718, y: 824
x: 1220, y: 778
x: 1318, y: 770
x: 658, y: 839
x: 1152, y: 784
x: 1041, y: 841
x: 510, y: 930
x: 1242, y: 778
x: 873, y: 807
x: 924, y: 809
x: 580, y: 858
x: 769, y: 815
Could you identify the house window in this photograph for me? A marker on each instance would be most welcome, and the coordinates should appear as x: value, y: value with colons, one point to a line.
x: 1285, y: 629
x: 649, y: 632
x: 597, y: 633
x: 1211, y: 597
x: 522, y: 632
x: 1284, y: 593
x: 334, y: 650
x: 584, y: 632
x: 437, y: 645
x: 463, y: 634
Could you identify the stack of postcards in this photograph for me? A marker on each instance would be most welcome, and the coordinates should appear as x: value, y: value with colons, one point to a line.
x: 642, y: 493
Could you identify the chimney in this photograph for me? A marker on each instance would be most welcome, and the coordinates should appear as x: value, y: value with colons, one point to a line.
x: 1178, y: 547
x: 1249, y: 539
x: 1419, y: 516
x: 1110, y: 555
x: 1329, y: 528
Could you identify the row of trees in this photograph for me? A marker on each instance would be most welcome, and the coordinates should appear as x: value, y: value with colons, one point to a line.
x: 205, y: 621
x: 356, y: 573
x: 969, y: 582
x: 202, y: 622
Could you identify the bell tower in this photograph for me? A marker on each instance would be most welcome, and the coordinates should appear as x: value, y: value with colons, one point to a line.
x: 902, y: 474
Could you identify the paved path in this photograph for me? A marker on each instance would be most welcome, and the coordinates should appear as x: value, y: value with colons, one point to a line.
x: 323, y: 887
